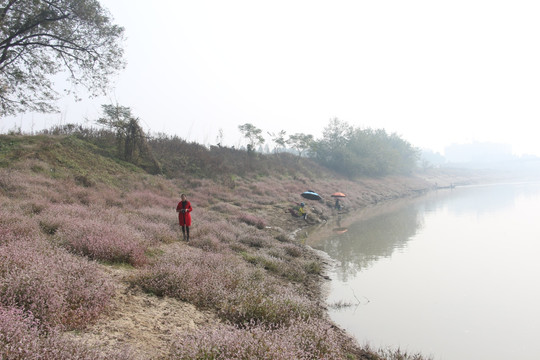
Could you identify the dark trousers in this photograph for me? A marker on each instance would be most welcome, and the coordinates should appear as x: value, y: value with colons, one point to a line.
x: 185, y: 232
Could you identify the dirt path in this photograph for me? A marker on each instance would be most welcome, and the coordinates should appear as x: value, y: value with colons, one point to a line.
x: 142, y: 322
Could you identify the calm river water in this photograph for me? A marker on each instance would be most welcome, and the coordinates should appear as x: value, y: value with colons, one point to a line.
x: 453, y: 275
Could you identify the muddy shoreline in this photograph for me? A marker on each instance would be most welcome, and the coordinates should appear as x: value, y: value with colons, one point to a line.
x: 415, y: 187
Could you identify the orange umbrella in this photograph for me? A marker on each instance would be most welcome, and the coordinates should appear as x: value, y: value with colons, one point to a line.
x: 338, y: 194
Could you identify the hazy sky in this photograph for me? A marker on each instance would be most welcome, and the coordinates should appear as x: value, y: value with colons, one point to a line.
x: 434, y: 72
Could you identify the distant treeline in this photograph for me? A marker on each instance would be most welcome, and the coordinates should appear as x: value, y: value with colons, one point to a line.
x: 354, y: 151
x: 343, y: 148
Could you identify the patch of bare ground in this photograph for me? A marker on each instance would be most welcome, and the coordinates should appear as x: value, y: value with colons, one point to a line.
x: 141, y: 322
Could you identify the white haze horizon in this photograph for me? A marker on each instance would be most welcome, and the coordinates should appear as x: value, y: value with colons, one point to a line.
x: 435, y: 73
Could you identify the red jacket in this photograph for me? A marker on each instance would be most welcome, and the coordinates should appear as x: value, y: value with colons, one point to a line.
x: 184, y: 217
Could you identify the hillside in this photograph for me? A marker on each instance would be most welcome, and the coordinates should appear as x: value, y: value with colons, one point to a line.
x: 92, y: 264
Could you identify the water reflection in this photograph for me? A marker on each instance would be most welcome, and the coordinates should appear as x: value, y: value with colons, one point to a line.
x: 358, y: 241
x: 368, y: 239
x: 340, y: 230
x: 457, y: 264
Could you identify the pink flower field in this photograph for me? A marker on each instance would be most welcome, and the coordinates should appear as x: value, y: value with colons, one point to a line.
x: 73, y: 234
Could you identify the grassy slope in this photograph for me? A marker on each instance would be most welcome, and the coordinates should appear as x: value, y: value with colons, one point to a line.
x: 69, y: 194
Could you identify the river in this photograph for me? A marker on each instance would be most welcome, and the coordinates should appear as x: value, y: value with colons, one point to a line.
x: 454, y: 274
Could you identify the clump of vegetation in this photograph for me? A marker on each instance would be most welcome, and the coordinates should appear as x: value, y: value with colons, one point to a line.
x: 22, y: 336
x: 130, y: 137
x: 311, y: 339
x: 58, y: 288
x: 110, y: 243
x: 238, y: 292
x: 249, y: 219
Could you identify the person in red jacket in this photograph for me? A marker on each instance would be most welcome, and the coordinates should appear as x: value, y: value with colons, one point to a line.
x: 184, y: 215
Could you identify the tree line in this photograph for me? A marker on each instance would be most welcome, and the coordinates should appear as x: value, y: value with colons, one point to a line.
x: 344, y: 148
x: 39, y: 39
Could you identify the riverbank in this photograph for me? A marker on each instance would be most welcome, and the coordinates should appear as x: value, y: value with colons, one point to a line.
x: 363, y: 194
x: 151, y: 324
x: 388, y: 192
x: 241, y: 284
x: 396, y: 266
